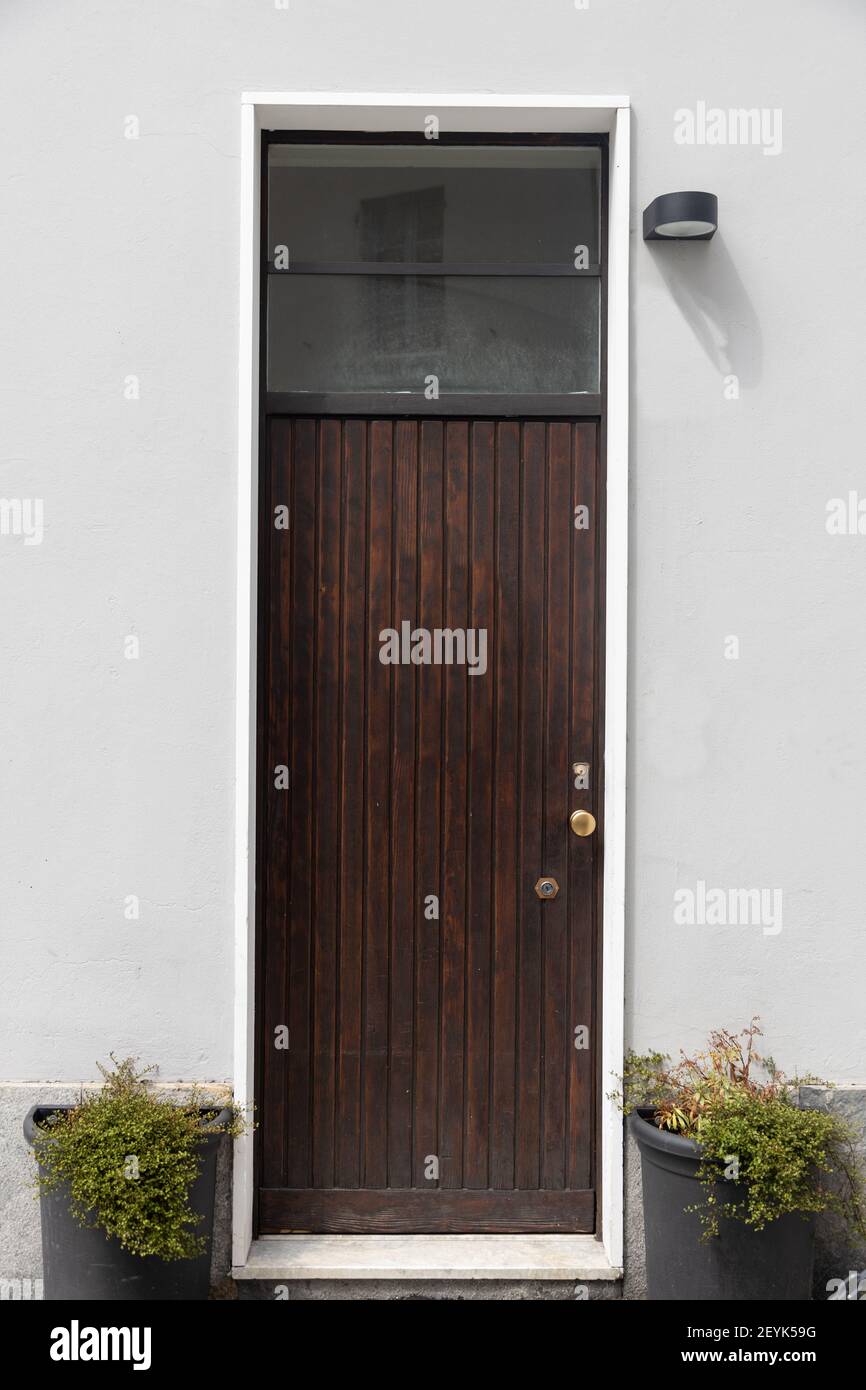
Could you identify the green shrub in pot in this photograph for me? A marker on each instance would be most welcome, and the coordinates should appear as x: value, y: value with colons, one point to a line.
x: 134, y: 1171
x: 734, y: 1151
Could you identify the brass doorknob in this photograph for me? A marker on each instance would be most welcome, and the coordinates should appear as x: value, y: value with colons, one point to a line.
x: 582, y: 822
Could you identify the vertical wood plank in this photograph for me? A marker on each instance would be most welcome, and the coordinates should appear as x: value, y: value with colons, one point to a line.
x: 428, y: 806
x: 533, y: 503
x: 479, y: 822
x: 557, y: 639
x: 378, y: 839
x: 402, y: 868
x: 505, y: 819
x: 298, y: 1172
x: 451, y: 1087
x: 276, y: 803
x: 582, y: 852
x: 352, y: 791
x: 327, y: 779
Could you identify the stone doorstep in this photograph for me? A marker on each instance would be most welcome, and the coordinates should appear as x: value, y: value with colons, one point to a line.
x: 578, y: 1258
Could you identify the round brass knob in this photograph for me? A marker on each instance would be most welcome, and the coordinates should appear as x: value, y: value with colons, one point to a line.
x: 582, y: 822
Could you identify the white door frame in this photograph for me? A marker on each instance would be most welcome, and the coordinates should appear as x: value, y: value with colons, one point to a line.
x: 371, y: 111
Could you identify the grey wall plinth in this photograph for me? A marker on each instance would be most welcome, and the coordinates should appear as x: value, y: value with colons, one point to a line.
x: 838, y: 1253
x: 426, y: 1290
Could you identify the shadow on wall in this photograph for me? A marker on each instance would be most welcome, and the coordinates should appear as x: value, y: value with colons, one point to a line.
x: 704, y: 284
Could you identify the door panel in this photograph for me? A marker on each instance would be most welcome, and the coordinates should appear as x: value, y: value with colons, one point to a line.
x: 431, y: 1080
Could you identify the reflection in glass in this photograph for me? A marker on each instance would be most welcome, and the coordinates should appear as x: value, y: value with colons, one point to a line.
x: 473, y: 205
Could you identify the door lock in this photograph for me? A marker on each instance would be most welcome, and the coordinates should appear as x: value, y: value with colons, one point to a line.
x: 547, y: 888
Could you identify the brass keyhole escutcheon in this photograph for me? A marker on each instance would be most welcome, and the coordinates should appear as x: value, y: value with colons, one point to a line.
x: 582, y: 822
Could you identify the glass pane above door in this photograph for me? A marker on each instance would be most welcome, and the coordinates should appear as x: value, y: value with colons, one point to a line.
x: 434, y: 271
x: 431, y: 203
x: 472, y: 334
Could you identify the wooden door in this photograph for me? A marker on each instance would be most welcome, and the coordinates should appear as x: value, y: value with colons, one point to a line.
x: 428, y: 1023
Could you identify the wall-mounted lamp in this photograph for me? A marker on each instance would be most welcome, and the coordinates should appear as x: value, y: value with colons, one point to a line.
x: 681, y: 217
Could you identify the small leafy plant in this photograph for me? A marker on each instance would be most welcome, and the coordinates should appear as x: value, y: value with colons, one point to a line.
x: 128, y: 1159
x: 777, y: 1156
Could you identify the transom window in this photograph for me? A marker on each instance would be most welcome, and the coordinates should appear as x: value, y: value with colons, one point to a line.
x: 433, y: 272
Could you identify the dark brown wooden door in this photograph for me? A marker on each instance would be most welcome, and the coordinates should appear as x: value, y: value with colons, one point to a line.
x: 428, y: 1024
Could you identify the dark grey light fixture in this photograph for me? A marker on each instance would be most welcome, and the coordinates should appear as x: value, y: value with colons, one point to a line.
x: 681, y: 217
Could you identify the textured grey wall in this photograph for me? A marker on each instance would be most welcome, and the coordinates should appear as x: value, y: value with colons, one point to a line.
x: 120, y: 258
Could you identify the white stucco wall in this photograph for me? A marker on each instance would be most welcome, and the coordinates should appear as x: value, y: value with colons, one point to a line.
x: 119, y: 257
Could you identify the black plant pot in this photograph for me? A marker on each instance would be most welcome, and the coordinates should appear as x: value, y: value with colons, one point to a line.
x: 81, y: 1262
x: 739, y: 1264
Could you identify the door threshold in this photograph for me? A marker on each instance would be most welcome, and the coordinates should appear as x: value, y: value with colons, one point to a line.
x: 287, y: 1257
